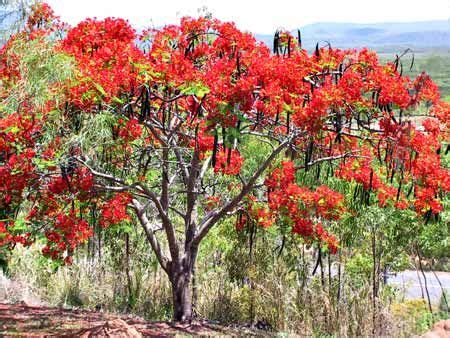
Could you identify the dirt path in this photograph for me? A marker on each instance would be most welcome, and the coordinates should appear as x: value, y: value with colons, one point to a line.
x: 31, y: 321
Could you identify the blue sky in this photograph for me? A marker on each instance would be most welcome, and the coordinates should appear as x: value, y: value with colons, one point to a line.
x: 257, y: 16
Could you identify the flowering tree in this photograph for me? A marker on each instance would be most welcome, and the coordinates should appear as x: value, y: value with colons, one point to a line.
x: 159, y: 133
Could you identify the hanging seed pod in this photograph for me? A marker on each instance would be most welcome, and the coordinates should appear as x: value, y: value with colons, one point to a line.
x: 308, y: 155
x: 399, y: 190
x: 238, y: 126
x: 289, y: 46
x: 317, y: 51
x: 277, y: 117
x: 214, y: 154
x: 276, y: 41
x: 229, y: 156
x: 396, y: 62
x: 299, y: 38
x: 401, y: 69
x: 412, y: 63
x: 338, y: 128
x: 288, y: 122
x: 223, y: 138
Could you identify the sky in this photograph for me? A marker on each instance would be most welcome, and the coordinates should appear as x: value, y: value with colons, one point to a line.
x: 261, y: 16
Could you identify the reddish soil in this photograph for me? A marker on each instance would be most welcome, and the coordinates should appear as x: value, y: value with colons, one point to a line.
x: 30, y: 321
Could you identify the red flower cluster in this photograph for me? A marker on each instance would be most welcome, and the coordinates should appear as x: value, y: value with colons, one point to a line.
x: 106, y: 56
x: 303, y: 206
x: 130, y: 130
x: 228, y: 162
x: 69, y: 231
x: 114, y: 210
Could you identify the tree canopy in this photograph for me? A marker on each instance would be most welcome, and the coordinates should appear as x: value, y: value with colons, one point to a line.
x: 180, y: 127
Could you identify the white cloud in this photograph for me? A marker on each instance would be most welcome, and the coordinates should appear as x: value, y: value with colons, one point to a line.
x: 261, y: 16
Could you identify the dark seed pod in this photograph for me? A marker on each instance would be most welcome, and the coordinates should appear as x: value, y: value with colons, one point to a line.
x: 289, y: 46
x: 410, y: 190
x: 397, y: 59
x: 399, y: 190
x: 288, y: 122
x: 223, y: 138
x: 317, y: 51
x: 299, y: 37
x: 276, y: 42
x: 308, y: 154
x: 214, y: 154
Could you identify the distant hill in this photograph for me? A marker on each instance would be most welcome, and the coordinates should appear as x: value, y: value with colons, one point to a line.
x: 384, y: 37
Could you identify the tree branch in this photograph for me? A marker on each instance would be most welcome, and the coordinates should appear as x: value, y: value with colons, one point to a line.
x: 211, y: 218
x: 149, y: 232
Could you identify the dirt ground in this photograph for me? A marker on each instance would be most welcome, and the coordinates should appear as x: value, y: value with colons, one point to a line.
x: 41, y: 321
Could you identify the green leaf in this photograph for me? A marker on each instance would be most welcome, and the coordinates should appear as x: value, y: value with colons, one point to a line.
x: 99, y: 88
x: 19, y: 226
x: 195, y: 88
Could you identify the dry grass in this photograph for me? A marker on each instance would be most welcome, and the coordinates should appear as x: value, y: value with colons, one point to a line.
x: 276, y: 301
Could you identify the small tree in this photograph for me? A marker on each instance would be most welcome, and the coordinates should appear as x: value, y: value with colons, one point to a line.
x: 162, y: 131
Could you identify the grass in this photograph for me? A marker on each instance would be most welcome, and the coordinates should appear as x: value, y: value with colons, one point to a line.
x: 275, y: 296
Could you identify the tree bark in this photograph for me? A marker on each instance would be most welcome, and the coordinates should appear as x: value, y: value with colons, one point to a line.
x: 181, y: 297
x: 181, y: 280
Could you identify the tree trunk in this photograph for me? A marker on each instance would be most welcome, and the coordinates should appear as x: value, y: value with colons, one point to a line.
x: 181, y: 297
x: 181, y: 280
